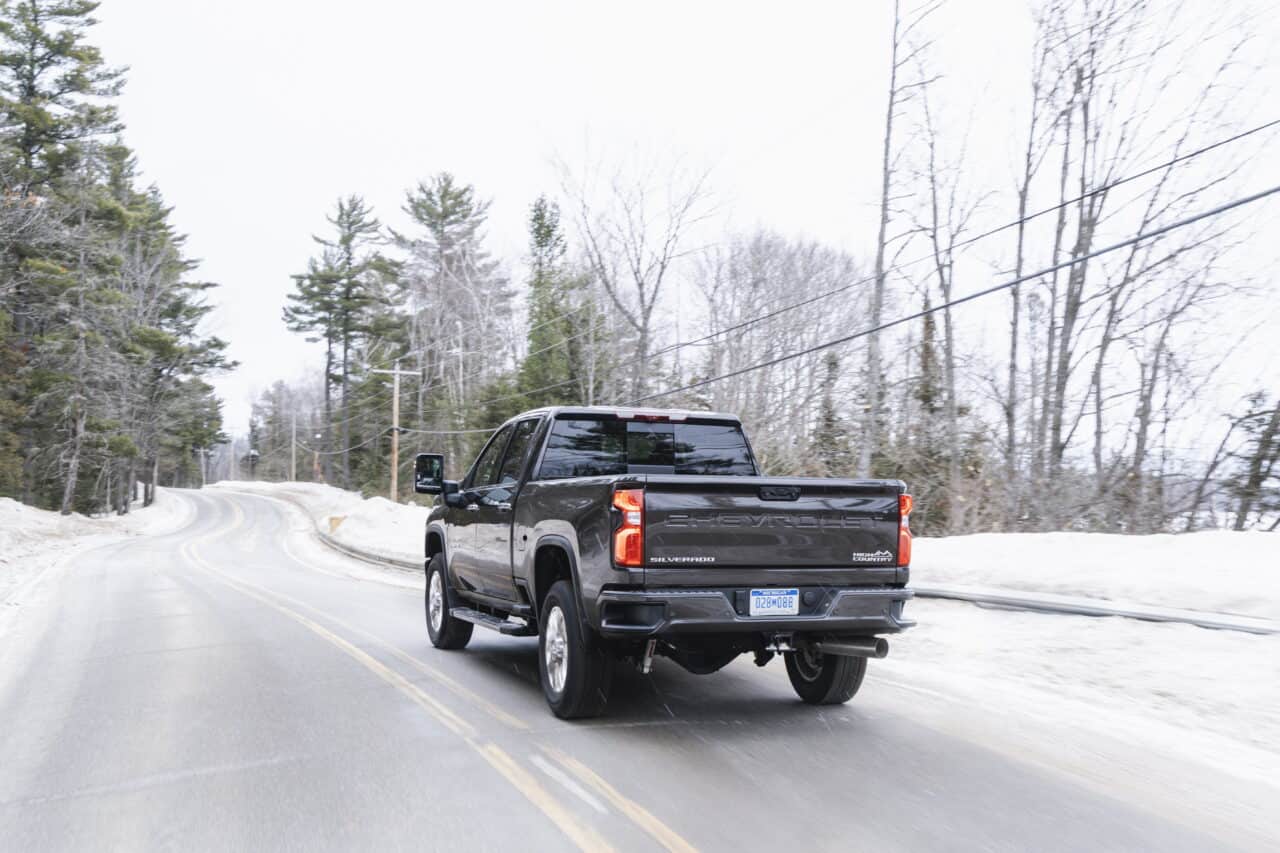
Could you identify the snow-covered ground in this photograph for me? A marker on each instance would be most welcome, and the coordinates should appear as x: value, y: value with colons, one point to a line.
x: 33, y: 539
x: 1212, y: 696
x: 373, y: 525
x: 1218, y: 570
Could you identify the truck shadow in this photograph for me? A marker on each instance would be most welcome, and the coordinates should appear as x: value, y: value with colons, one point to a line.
x: 739, y: 693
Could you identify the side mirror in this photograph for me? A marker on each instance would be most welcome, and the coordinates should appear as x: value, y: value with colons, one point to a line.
x: 428, y: 473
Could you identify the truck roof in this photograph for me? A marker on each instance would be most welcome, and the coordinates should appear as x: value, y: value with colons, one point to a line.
x: 626, y: 411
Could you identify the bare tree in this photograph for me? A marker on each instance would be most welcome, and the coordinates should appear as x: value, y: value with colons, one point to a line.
x: 947, y: 213
x: 633, y: 231
x: 904, y: 51
x: 783, y: 405
x: 1040, y: 127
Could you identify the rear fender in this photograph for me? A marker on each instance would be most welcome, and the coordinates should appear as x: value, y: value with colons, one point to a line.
x: 565, y: 546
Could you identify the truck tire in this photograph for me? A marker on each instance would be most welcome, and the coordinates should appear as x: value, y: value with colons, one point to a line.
x: 576, y: 673
x: 445, y: 631
x: 821, y: 679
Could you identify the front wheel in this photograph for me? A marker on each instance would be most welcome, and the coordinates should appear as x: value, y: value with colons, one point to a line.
x: 576, y: 673
x: 824, y: 679
x: 445, y: 631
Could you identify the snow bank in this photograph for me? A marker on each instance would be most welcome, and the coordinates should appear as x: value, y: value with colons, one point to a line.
x: 1220, y: 571
x: 32, y: 539
x: 375, y: 524
x: 1207, y: 695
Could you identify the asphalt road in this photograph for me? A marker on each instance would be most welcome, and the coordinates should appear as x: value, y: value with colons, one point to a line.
x: 211, y: 689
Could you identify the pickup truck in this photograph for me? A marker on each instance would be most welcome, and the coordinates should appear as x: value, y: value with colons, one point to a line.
x: 621, y: 535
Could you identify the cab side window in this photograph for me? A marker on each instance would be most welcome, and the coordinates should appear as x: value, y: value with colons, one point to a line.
x: 486, y: 470
x: 517, y: 452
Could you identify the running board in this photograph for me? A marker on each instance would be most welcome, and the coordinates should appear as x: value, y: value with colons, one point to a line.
x: 522, y: 628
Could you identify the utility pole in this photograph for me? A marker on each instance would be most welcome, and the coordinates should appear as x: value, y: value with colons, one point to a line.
x: 293, y: 450
x: 395, y: 373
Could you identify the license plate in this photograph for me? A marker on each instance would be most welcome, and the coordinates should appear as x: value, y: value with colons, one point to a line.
x: 775, y: 602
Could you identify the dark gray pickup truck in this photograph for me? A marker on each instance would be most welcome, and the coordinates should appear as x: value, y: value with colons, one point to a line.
x: 618, y: 534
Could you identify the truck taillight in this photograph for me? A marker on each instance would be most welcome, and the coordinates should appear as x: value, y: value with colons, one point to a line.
x: 904, y: 529
x: 628, y: 539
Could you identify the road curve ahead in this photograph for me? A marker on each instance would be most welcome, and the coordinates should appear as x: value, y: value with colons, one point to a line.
x: 211, y: 689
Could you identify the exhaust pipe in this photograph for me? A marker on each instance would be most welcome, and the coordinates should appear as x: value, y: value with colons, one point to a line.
x: 855, y: 647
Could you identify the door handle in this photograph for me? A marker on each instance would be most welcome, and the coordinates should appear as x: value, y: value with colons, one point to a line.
x: 502, y: 507
x: 473, y: 507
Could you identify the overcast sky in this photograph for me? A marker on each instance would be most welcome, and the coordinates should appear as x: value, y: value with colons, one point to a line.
x: 253, y: 117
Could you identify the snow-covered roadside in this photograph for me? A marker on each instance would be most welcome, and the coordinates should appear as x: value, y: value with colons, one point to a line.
x: 1218, y: 570
x: 1211, y: 696
x: 32, y: 540
x: 373, y: 525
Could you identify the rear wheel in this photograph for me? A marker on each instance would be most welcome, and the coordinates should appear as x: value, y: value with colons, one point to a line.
x: 576, y: 673
x: 445, y: 631
x: 824, y: 679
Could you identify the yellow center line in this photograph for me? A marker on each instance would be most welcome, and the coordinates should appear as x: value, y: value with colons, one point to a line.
x: 638, y: 814
x: 451, y: 720
x: 417, y: 663
x: 582, y: 835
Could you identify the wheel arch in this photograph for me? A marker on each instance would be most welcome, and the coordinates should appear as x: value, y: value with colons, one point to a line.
x: 553, y: 560
x: 434, y: 544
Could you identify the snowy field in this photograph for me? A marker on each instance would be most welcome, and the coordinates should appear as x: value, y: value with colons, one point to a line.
x: 1203, y: 695
x: 31, y: 540
x: 1211, y: 696
x: 1216, y: 570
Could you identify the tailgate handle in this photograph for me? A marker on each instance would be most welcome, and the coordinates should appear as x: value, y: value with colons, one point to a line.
x: 779, y: 493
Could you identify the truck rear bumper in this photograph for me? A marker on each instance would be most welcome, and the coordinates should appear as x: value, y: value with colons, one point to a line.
x: 643, y: 613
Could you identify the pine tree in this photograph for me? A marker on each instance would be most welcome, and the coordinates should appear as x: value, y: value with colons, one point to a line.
x: 51, y: 87
x: 355, y: 267
x: 831, y: 438
x: 101, y: 357
x: 458, y: 304
x: 1255, y: 484
x: 336, y: 300
x: 312, y: 309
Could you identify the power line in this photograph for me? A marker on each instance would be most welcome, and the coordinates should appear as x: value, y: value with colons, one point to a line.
x: 967, y: 242
x: 365, y: 443
x: 511, y: 396
x: 843, y: 288
x: 1121, y: 181
x: 361, y: 409
x: 446, y: 431
x: 969, y: 298
x: 588, y: 331
x: 479, y: 327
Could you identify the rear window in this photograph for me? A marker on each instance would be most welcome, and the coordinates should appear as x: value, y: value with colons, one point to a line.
x: 593, y: 447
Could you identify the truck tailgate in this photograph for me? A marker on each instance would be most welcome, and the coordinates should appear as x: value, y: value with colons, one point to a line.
x: 705, y: 525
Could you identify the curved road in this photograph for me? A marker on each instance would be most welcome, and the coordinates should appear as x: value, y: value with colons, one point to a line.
x: 211, y: 689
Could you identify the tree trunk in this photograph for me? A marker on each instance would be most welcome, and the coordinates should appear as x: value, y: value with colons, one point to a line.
x: 73, y: 465
x: 328, y: 410
x: 869, y: 445
x: 1040, y: 463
